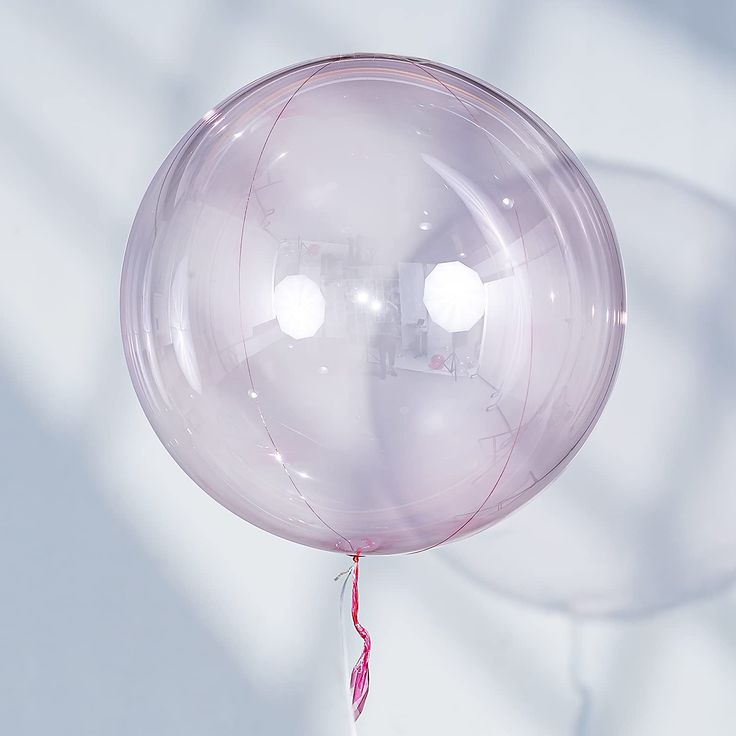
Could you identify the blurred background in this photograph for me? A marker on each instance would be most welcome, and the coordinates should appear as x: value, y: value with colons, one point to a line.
x: 133, y: 603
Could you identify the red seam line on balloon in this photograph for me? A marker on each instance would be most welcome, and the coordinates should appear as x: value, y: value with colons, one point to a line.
x: 531, y: 332
x: 360, y: 676
x: 612, y: 377
x: 521, y: 418
x: 240, y: 303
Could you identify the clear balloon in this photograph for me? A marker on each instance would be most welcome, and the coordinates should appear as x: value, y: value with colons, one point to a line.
x: 372, y: 304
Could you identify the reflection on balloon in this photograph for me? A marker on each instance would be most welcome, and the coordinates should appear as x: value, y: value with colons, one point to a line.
x: 454, y: 296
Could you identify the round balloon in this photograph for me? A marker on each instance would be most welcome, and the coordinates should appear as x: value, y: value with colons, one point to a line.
x: 305, y: 254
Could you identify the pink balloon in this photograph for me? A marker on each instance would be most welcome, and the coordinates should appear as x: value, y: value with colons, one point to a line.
x: 286, y: 291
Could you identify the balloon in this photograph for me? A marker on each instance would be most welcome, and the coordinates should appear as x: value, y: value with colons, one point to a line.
x: 305, y: 251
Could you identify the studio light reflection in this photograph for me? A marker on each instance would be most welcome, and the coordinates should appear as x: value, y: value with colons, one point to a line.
x: 299, y: 306
x: 454, y: 296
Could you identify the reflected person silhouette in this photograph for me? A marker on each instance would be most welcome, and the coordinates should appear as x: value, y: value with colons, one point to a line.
x: 389, y: 335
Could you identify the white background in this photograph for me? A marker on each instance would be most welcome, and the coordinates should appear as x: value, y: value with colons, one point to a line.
x: 133, y: 604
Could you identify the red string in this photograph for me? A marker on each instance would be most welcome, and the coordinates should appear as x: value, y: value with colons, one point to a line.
x: 360, y: 678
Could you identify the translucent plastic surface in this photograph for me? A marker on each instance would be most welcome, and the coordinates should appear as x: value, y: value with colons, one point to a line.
x: 370, y: 303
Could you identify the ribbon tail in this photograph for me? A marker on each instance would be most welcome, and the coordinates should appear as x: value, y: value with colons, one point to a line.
x: 360, y: 676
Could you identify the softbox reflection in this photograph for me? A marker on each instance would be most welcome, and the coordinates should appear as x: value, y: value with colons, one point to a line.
x: 403, y: 300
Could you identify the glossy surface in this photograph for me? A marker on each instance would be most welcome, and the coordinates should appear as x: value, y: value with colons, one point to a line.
x: 371, y: 303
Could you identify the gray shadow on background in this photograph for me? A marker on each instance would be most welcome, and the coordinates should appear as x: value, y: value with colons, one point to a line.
x: 671, y: 566
x: 94, y: 639
x: 710, y: 23
x: 671, y: 575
